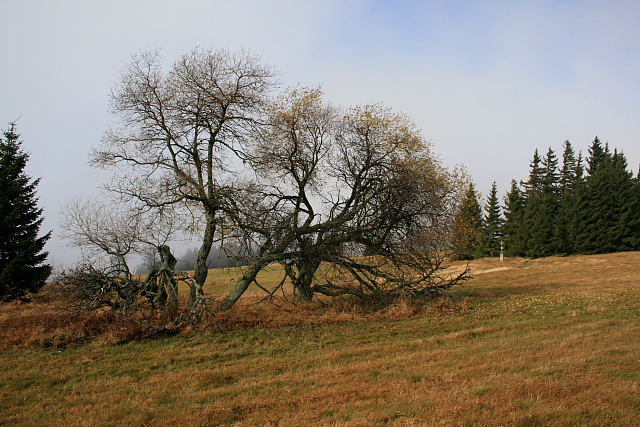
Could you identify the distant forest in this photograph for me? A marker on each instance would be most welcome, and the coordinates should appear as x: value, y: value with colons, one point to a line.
x: 583, y: 206
x: 187, y: 261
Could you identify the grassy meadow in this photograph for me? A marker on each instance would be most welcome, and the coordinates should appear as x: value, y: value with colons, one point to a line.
x: 548, y: 342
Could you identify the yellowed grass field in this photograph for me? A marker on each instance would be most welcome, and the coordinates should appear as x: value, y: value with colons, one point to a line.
x: 549, y: 342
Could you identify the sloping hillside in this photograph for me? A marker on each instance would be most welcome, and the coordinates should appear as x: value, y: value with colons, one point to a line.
x: 549, y: 342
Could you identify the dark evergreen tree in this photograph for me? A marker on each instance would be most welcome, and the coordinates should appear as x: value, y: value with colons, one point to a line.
x: 22, y: 260
x: 624, y: 232
x: 536, y: 172
x: 467, y: 227
x: 636, y: 201
x: 550, y: 173
x: 593, y: 216
x: 563, y: 211
x: 491, y: 230
x: 570, y: 182
x: 598, y: 156
x: 530, y: 195
x: 542, y: 206
x: 551, y: 200
x: 513, y: 229
x: 608, y: 213
x: 571, y: 171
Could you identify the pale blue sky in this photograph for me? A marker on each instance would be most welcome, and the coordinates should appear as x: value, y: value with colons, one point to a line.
x: 488, y: 82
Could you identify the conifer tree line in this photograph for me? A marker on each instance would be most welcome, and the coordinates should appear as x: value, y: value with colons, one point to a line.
x: 568, y: 206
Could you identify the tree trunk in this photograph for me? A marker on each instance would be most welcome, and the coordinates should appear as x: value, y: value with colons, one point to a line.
x: 201, y: 270
x: 168, y: 266
x: 243, y: 283
x: 302, y: 285
x: 276, y: 254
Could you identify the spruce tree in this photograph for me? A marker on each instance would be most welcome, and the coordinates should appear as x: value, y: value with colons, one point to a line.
x: 548, y: 228
x: 513, y: 229
x: 608, y: 215
x: 542, y: 205
x: 22, y: 261
x: 636, y: 200
x: 592, y: 215
x: 467, y: 226
x: 564, y: 211
x: 534, y: 183
x: 530, y: 195
x: 491, y: 230
x: 598, y: 156
x: 571, y: 170
x: 624, y: 232
x: 570, y: 183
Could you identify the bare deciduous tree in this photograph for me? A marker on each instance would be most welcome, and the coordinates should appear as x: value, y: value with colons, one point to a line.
x: 181, y: 132
x: 359, y: 192
x: 106, y: 234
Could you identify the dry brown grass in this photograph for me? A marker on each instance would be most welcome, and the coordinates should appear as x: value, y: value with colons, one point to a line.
x: 46, y: 320
x: 24, y: 325
x: 549, y: 342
